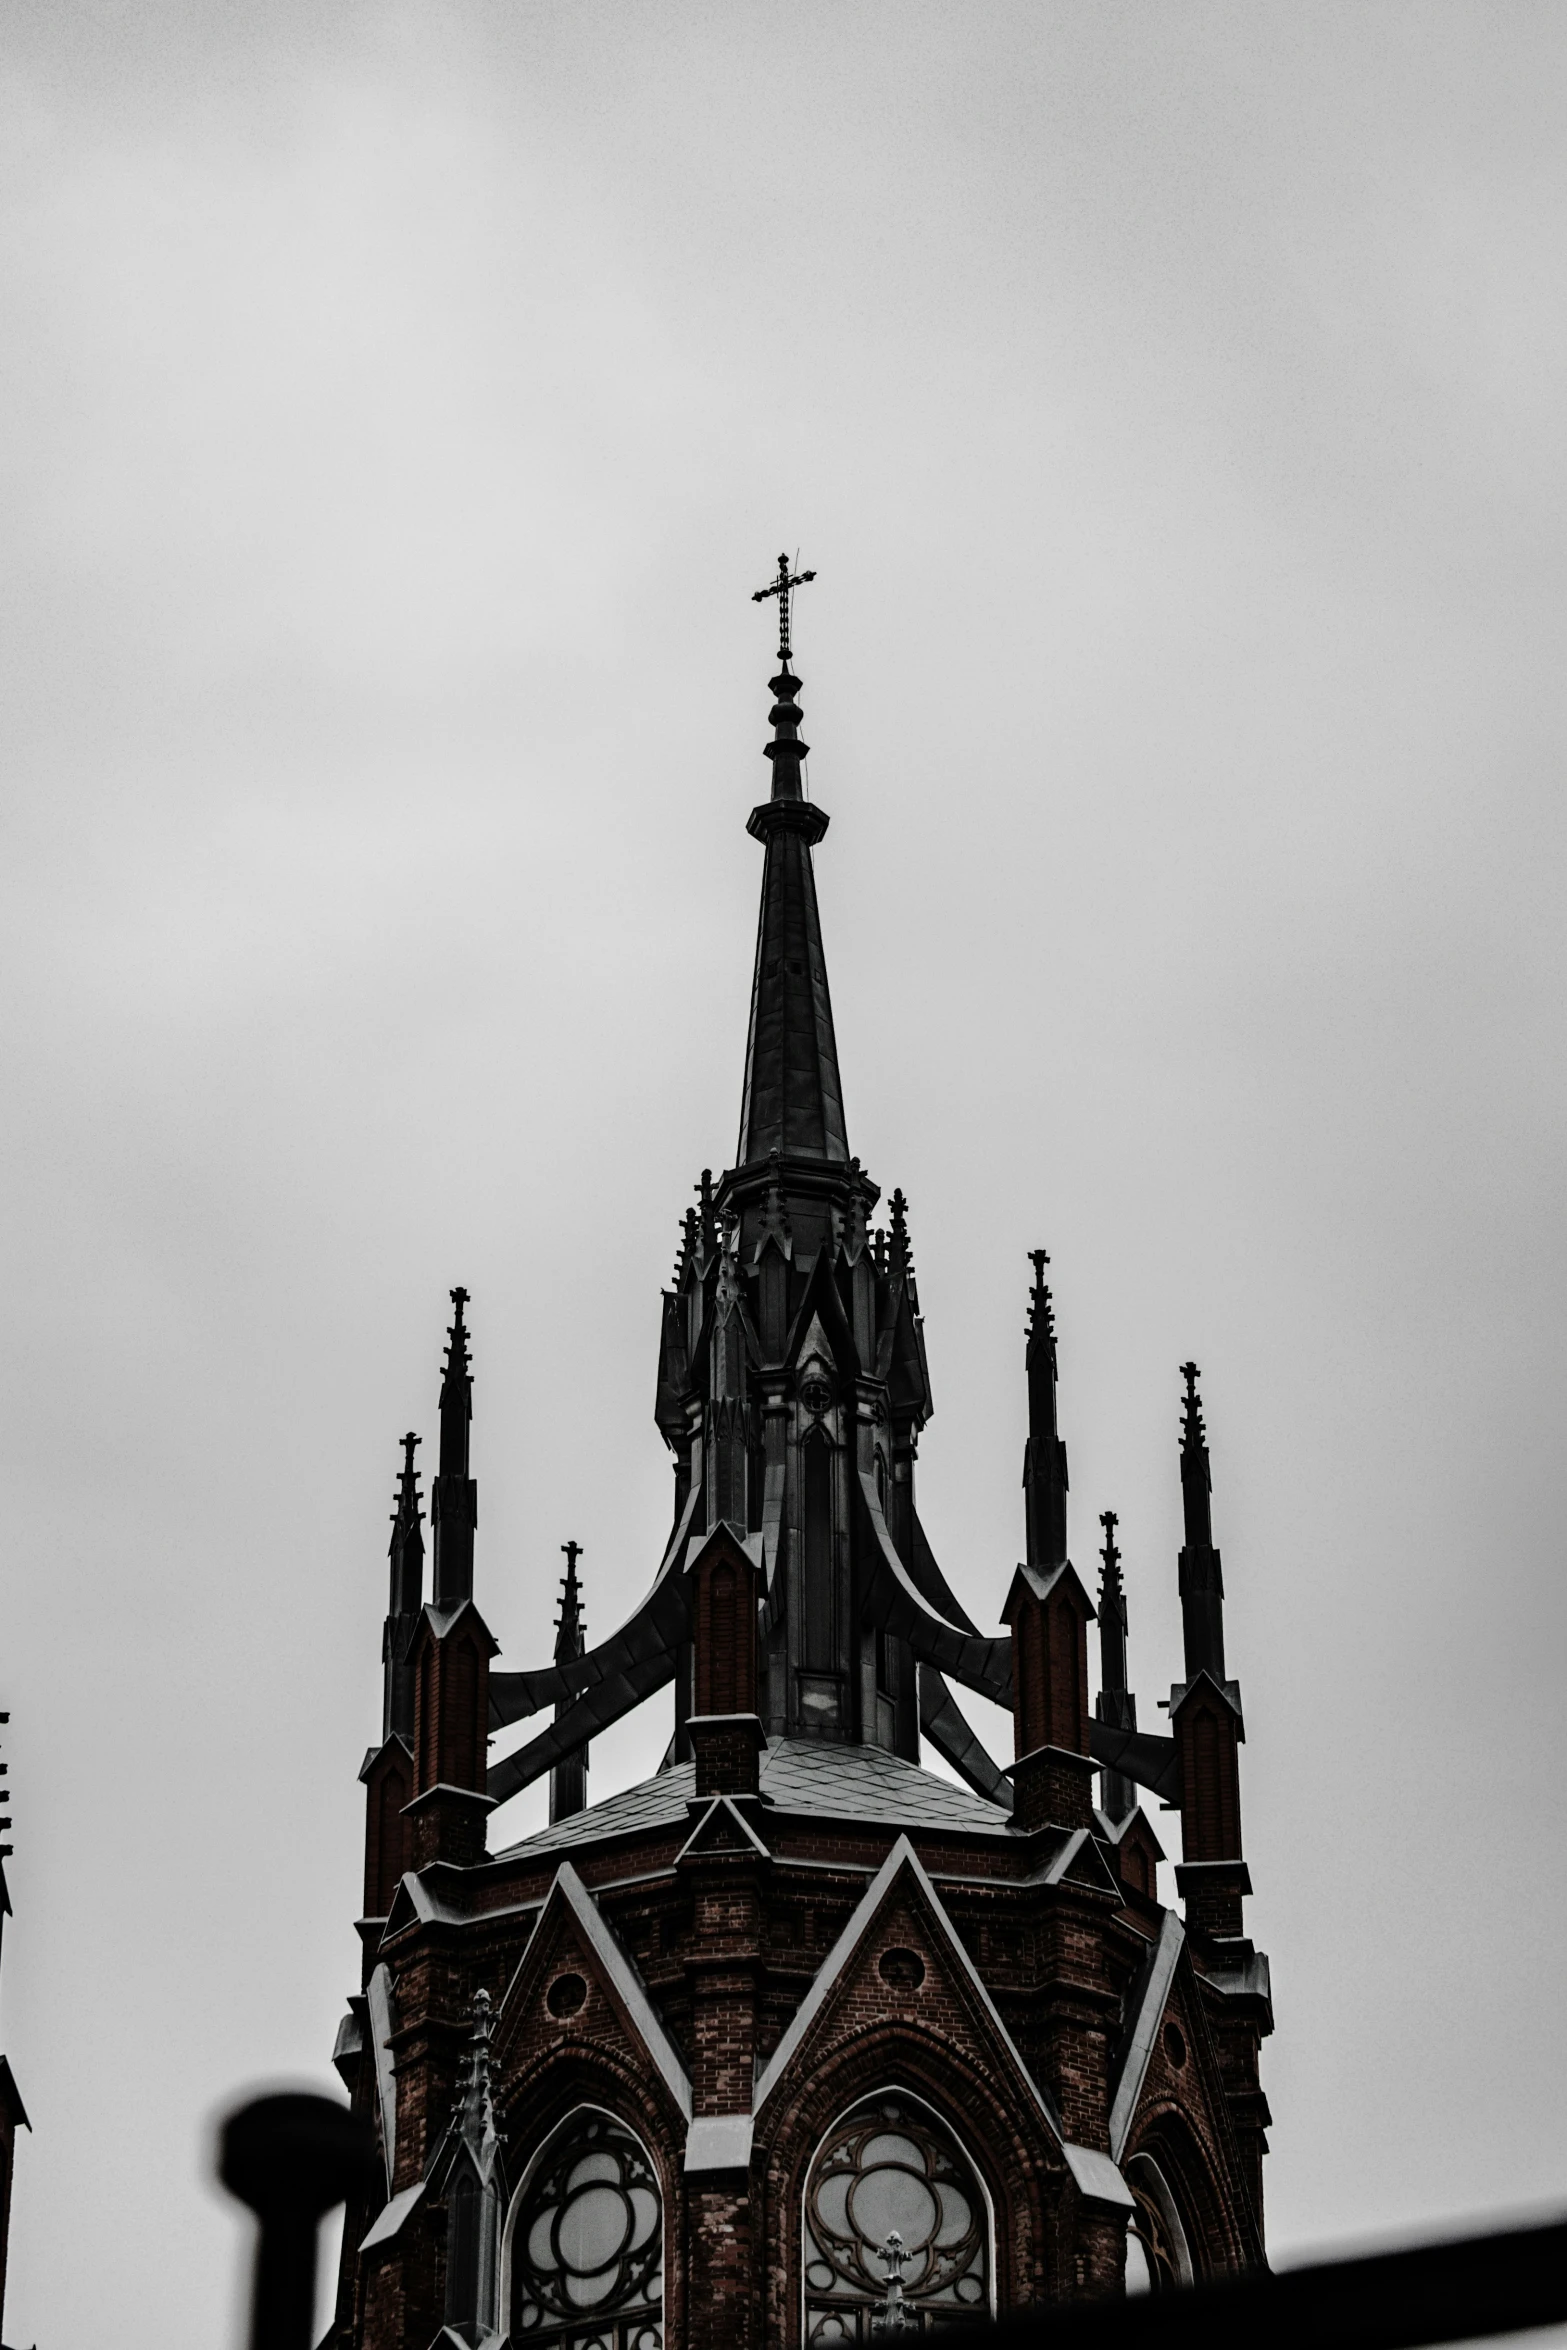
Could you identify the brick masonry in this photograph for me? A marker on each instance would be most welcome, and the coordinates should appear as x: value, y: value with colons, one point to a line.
x: 726, y: 1944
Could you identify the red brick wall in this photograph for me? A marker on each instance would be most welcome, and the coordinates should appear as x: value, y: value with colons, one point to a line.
x: 1207, y: 1733
x: 727, y: 1948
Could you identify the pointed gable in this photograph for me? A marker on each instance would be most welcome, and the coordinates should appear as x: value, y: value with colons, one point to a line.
x: 901, y: 1932
x: 723, y: 1832
x: 901, y: 1878
x: 574, y: 1976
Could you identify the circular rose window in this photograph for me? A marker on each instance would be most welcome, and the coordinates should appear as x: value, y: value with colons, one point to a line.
x: 891, y: 2195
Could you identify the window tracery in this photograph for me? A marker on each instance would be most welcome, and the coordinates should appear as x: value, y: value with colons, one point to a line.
x: 1158, y: 2257
x: 890, y: 2192
x: 587, y: 2243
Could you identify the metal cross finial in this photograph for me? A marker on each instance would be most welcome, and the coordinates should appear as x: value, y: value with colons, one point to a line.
x: 573, y: 1552
x: 783, y: 588
x: 1039, y: 1258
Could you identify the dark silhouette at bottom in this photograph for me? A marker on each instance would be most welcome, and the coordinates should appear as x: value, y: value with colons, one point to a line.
x: 291, y: 2158
x: 1503, y: 2283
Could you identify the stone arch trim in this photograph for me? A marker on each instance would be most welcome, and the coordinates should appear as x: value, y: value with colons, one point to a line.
x: 1191, y: 2167
x: 1145, y: 2174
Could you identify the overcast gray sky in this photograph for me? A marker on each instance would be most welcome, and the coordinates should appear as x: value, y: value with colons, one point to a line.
x: 397, y: 406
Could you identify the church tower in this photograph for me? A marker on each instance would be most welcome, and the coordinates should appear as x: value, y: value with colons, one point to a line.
x: 799, y: 2042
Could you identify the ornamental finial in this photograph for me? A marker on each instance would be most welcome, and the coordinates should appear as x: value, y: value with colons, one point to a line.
x: 1193, y: 1434
x: 1110, y: 1582
x: 570, y: 1637
x: 1041, y: 1311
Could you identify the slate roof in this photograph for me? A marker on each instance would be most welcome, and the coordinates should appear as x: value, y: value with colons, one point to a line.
x: 798, y: 1775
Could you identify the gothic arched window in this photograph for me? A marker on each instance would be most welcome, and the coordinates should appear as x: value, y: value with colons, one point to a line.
x: 891, y: 2200
x: 471, y: 2237
x: 1157, y: 2254
x: 586, y: 2266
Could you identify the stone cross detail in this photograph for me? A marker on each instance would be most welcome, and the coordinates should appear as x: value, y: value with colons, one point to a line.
x: 894, y: 2315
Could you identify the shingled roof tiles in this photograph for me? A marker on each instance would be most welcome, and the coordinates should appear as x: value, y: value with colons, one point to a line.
x: 858, y: 1783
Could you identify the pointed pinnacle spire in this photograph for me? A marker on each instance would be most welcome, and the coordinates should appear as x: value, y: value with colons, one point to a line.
x: 707, y: 1220
x: 1041, y: 1307
x: 1110, y: 1572
x: 405, y: 1557
x: 1201, y: 1572
x: 1112, y: 1609
x: 793, y: 1099
x: 899, y: 1255
x: 456, y: 1394
x: 454, y: 1497
x: 1196, y: 1469
x: 1115, y: 1704
x: 1044, y: 1458
x: 476, y: 2099
x: 569, y: 1777
x: 406, y: 1549
x: 570, y: 1632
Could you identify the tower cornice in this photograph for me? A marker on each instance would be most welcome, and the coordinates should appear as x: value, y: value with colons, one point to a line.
x: 771, y: 817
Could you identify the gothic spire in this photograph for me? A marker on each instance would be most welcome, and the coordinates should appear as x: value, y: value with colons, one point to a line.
x: 1196, y: 1469
x: 406, y: 1550
x: 569, y: 1777
x: 1201, y: 1575
x: 1112, y: 1611
x: 793, y: 1100
x: 1116, y: 1704
x: 570, y: 1633
x: 454, y: 1497
x: 1044, y: 1457
x: 404, y: 1600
